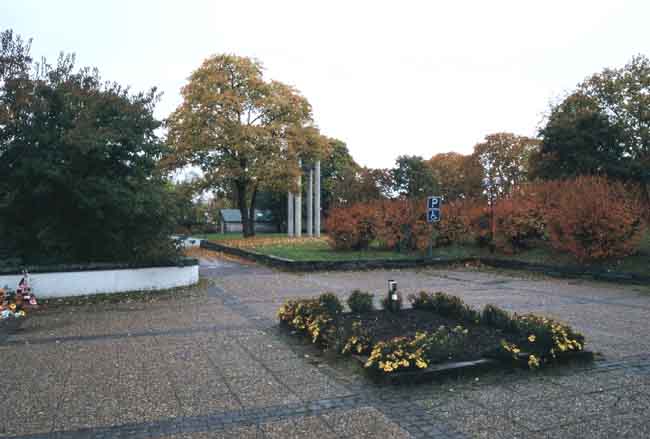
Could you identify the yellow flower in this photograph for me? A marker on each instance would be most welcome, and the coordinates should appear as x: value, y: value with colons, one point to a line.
x: 421, y: 363
x: 533, y: 362
x: 532, y: 338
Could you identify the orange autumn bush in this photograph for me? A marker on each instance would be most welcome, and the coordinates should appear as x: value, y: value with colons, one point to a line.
x: 395, y: 224
x: 520, y: 218
x: 594, y: 218
x: 590, y: 217
x: 388, y: 220
x: 350, y: 227
x: 401, y: 224
x: 461, y: 222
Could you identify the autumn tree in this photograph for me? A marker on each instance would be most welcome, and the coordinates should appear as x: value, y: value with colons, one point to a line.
x: 459, y: 176
x: 505, y: 158
x: 413, y: 178
x: 362, y: 185
x: 242, y: 131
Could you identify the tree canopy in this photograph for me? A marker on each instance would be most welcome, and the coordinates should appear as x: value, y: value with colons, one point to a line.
x: 242, y: 131
x: 505, y: 158
x: 413, y: 178
x: 603, y: 127
x: 78, y: 158
x: 579, y: 139
x: 459, y: 176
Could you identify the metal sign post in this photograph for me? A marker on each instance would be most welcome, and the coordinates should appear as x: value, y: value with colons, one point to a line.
x: 433, y: 216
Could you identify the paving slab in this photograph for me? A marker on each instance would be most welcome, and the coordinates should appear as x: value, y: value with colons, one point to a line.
x: 213, y: 364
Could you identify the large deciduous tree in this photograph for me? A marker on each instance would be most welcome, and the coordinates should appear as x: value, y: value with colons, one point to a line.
x: 505, y: 158
x: 339, y: 173
x: 459, y: 176
x: 413, y: 178
x: 603, y: 127
x: 78, y: 158
x: 579, y: 139
x: 242, y: 131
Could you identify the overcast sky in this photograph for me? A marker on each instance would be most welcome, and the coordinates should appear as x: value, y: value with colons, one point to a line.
x: 388, y: 78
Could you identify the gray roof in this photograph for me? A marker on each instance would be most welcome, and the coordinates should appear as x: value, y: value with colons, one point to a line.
x: 234, y: 215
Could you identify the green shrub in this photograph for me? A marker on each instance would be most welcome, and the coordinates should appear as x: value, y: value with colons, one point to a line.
x: 495, y: 317
x: 80, y: 177
x: 444, y: 304
x: 330, y: 303
x: 360, y: 302
x: 421, y: 301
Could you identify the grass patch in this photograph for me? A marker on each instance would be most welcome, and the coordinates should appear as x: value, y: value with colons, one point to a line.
x: 321, y: 251
x: 544, y: 254
x: 236, y: 236
x: 318, y: 249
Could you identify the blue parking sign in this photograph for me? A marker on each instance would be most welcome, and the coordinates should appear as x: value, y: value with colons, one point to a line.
x: 433, y: 209
x: 433, y: 202
x: 433, y: 215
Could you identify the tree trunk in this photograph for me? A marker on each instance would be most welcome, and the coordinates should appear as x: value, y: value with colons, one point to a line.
x: 645, y: 199
x: 243, y: 208
x: 251, y: 212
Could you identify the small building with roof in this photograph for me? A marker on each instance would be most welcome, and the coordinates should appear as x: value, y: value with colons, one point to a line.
x: 230, y: 221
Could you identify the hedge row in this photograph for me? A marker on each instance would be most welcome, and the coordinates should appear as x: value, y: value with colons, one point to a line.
x: 592, y: 218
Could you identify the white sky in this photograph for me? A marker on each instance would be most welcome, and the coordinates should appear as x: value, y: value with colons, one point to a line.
x: 388, y: 78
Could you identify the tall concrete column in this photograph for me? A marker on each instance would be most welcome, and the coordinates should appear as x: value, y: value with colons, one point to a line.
x: 317, y: 200
x: 310, y: 204
x: 298, y: 210
x: 290, y: 228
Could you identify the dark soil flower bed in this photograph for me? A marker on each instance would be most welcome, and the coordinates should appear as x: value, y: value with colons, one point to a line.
x: 479, y: 342
x: 439, y: 334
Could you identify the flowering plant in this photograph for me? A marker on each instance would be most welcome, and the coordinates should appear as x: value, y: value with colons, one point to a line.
x: 13, y: 304
x: 542, y: 340
x: 416, y: 352
x: 310, y: 316
x: 534, y: 339
x: 359, y: 342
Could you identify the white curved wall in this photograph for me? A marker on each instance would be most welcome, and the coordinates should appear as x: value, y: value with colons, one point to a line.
x: 79, y: 283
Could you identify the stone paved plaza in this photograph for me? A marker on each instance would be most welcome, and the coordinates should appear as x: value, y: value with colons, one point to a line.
x: 215, y: 365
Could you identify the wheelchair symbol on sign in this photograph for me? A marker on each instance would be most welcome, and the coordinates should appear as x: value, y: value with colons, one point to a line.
x: 433, y: 215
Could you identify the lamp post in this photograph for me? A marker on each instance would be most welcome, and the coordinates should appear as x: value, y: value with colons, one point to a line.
x: 393, y: 298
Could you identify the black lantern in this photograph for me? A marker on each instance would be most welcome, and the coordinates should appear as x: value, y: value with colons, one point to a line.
x: 393, y: 299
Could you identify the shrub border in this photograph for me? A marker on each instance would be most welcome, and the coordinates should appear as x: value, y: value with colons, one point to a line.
x: 343, y: 265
